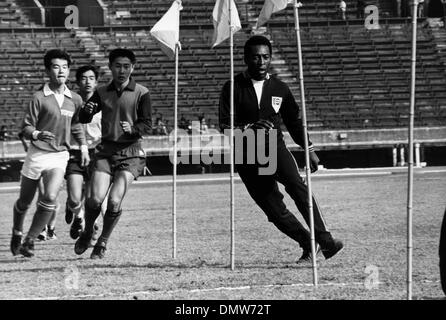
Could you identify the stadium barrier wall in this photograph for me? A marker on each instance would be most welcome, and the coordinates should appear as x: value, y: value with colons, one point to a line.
x: 323, y: 140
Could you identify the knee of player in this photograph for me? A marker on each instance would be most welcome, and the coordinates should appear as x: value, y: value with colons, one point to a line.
x: 93, y: 203
x: 49, y: 197
x: 74, y: 202
x: 22, y: 205
x: 114, y: 204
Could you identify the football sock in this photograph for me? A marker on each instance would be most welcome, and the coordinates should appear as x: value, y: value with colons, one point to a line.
x: 19, y: 218
x: 52, y: 222
x: 41, y: 218
x: 110, y: 220
x: 91, y: 214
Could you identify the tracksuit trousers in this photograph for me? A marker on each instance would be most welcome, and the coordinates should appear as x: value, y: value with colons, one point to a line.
x: 265, y: 192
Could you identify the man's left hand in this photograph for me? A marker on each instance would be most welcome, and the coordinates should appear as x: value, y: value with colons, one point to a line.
x: 314, y: 161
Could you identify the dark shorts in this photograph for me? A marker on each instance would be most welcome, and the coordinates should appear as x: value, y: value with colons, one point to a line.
x: 74, y: 164
x: 110, y: 159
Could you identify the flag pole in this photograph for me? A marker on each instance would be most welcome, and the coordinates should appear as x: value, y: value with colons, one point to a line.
x: 297, y: 5
x: 175, y: 159
x: 410, y: 163
x: 231, y: 138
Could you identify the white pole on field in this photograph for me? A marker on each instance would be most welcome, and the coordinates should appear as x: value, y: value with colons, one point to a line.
x: 410, y: 160
x: 175, y: 159
x: 231, y: 138
x: 297, y: 5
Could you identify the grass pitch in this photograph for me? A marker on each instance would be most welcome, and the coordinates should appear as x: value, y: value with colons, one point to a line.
x: 367, y: 212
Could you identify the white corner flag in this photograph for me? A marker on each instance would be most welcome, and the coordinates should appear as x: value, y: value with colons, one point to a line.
x: 270, y: 7
x: 220, y: 17
x: 167, y: 30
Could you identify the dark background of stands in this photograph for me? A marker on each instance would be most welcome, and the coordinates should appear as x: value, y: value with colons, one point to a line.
x: 355, y: 78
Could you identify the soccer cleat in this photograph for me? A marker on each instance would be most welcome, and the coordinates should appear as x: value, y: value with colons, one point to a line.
x: 16, y: 243
x: 335, y: 247
x: 82, y: 244
x: 43, y: 235
x: 51, y: 234
x: 27, y: 248
x: 307, y: 257
x: 76, y: 228
x: 98, y: 251
x: 68, y: 215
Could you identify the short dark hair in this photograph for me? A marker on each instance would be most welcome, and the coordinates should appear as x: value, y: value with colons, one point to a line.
x: 120, y: 52
x: 55, y: 54
x: 257, y: 41
x: 84, y: 69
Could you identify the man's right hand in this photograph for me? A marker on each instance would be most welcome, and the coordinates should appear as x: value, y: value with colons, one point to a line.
x: 261, y: 124
x: 45, y: 136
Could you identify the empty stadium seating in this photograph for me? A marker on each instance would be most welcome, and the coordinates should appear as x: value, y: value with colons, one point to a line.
x: 359, y: 78
x: 354, y: 77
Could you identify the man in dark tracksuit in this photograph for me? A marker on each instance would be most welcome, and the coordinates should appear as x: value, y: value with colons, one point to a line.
x: 276, y: 103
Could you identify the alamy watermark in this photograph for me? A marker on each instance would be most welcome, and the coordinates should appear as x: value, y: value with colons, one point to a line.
x: 250, y: 147
x: 71, y: 278
x: 72, y: 20
x: 372, y: 280
x: 372, y: 20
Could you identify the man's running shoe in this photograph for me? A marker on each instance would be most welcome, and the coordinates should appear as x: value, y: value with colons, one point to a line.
x: 307, y: 257
x: 335, y: 247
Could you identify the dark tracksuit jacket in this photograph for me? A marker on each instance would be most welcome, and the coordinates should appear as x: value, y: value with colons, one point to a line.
x: 277, y: 104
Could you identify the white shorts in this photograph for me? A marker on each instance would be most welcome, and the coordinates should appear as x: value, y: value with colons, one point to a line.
x: 37, y: 161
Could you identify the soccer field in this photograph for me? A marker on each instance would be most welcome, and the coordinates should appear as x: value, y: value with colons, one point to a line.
x: 367, y: 211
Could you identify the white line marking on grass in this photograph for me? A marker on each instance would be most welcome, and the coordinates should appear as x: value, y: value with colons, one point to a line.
x: 240, y: 288
x: 266, y: 286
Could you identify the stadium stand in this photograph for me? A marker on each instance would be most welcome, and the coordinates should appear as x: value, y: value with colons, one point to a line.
x: 354, y: 78
x: 359, y: 78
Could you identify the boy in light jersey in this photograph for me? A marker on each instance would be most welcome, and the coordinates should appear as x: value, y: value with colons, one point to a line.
x: 51, y: 119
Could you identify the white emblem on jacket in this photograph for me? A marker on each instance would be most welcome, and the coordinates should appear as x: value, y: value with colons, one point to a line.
x: 276, y: 102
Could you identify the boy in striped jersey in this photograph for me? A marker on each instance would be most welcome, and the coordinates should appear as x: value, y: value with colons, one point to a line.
x: 77, y: 176
x: 51, y: 118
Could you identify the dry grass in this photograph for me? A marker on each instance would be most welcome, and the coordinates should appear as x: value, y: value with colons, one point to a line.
x: 368, y: 213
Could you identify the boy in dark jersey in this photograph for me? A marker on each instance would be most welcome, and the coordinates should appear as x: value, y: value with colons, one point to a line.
x: 120, y: 159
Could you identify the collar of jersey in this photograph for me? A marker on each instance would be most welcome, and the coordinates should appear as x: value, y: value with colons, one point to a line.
x: 47, y: 91
x: 131, y: 86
